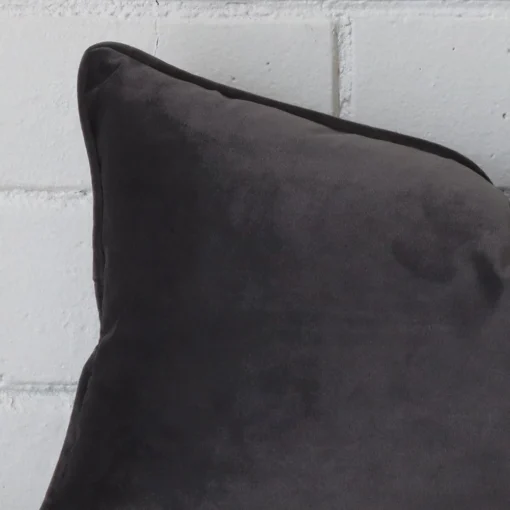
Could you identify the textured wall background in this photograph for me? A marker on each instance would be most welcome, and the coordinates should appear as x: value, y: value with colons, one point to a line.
x: 440, y: 70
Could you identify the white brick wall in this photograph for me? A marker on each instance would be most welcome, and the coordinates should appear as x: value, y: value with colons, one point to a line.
x: 47, y: 314
x: 435, y: 69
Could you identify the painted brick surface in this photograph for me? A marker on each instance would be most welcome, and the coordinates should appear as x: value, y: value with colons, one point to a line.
x: 269, y: 59
x: 443, y: 78
x: 47, y: 308
x: 32, y: 430
x: 39, y: 123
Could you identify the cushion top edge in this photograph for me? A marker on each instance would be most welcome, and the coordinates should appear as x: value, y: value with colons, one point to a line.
x: 335, y: 123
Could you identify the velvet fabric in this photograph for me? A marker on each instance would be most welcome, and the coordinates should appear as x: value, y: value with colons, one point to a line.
x: 297, y: 312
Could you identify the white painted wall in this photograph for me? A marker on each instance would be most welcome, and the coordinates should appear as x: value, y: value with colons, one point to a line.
x: 440, y: 70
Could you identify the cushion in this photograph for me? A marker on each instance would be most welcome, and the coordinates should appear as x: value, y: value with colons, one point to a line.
x: 297, y: 311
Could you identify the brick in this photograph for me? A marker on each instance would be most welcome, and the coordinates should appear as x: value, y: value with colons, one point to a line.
x: 31, y: 436
x: 39, y: 126
x: 291, y: 62
x: 442, y: 78
x: 47, y: 308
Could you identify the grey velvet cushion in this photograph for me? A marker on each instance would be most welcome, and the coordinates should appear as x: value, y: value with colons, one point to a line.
x: 297, y: 312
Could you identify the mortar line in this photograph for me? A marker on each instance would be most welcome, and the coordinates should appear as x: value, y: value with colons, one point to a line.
x: 335, y: 71
x: 346, y: 66
x: 156, y: 30
x: 50, y: 193
x: 254, y: 9
x: 38, y: 388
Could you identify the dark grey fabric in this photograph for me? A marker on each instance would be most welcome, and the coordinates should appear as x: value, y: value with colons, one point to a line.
x: 297, y: 312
